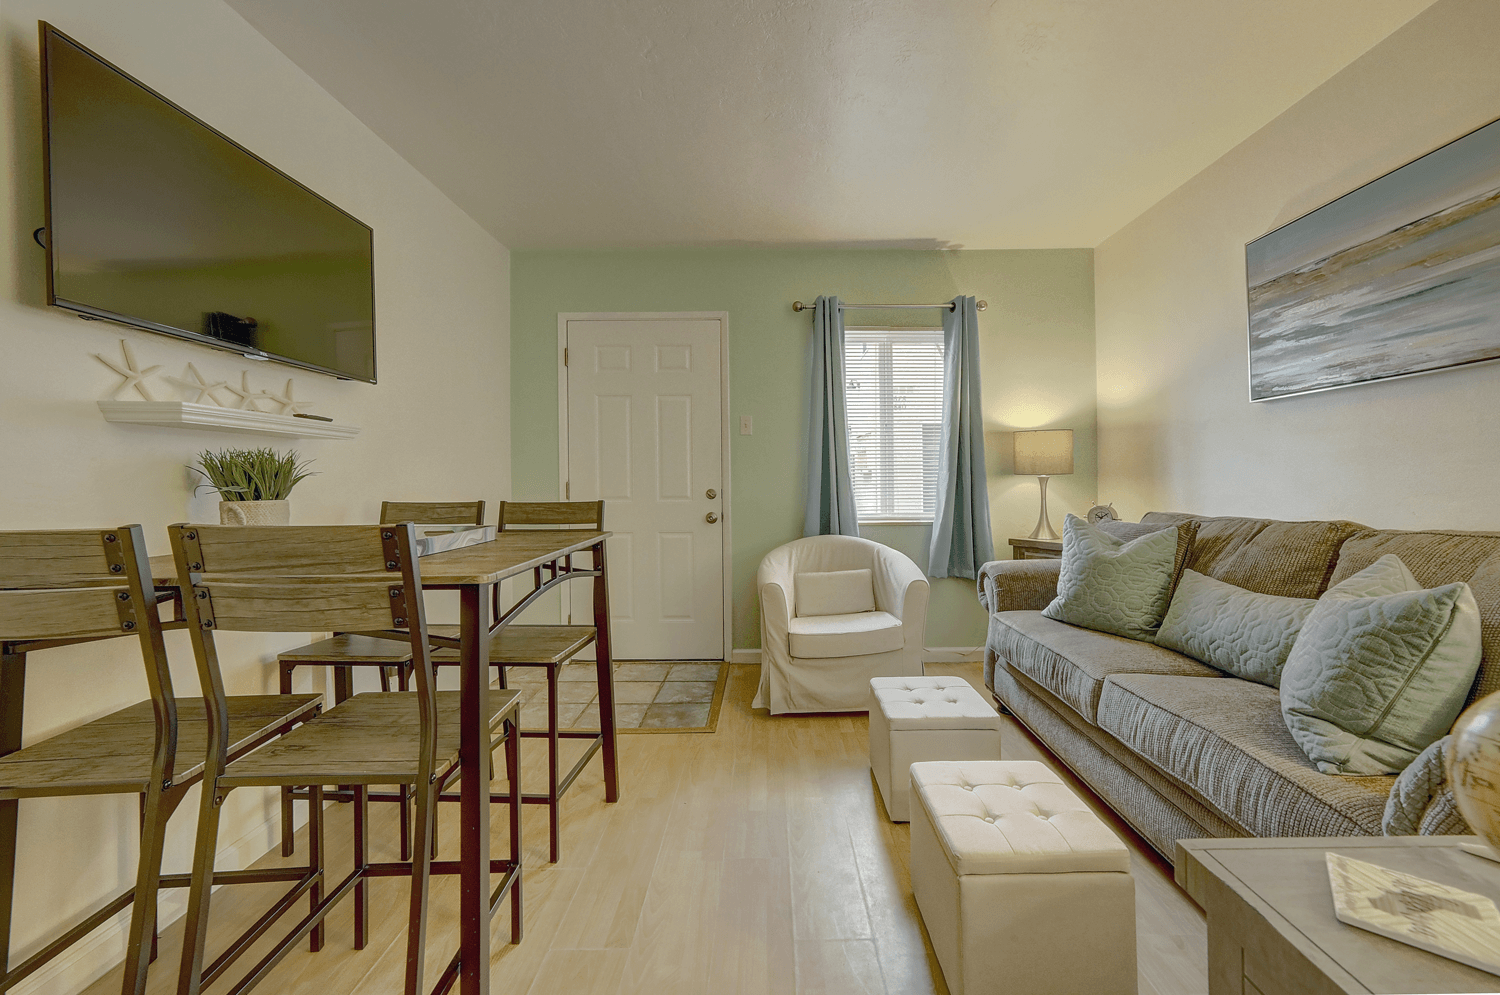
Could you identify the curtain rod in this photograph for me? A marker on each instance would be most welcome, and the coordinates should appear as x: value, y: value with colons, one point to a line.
x: 799, y: 306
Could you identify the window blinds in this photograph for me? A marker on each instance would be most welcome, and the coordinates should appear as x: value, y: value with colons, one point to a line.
x: 893, y: 390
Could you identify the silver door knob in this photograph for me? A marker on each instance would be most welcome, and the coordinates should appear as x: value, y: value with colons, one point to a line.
x: 710, y: 518
x: 710, y: 493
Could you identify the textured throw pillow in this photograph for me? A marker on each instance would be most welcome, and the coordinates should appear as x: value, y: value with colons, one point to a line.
x: 1245, y: 633
x: 1421, y: 802
x: 835, y: 592
x: 1113, y: 585
x: 1186, y: 532
x: 1380, y: 670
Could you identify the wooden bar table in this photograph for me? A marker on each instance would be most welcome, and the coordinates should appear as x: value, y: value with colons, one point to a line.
x: 476, y: 572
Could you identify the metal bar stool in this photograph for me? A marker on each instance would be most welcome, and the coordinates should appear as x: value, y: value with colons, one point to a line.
x: 63, y: 588
x: 292, y: 579
x: 345, y: 651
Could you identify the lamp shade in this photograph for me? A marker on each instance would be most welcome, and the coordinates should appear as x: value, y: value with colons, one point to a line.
x: 1044, y: 453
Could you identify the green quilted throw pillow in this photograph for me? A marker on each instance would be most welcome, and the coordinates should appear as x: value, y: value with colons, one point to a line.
x: 1380, y: 670
x: 1245, y: 633
x: 1113, y: 585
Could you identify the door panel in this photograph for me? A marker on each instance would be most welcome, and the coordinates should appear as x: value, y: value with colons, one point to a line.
x: 644, y: 424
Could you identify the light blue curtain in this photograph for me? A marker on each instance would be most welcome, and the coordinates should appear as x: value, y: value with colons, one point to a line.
x: 961, y: 541
x: 830, y: 496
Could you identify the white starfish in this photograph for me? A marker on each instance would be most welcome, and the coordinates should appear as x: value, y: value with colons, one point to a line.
x: 134, y: 376
x: 247, y: 396
x: 289, y: 404
x: 203, y: 387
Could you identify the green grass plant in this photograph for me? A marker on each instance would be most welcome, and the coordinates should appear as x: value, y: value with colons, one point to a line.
x: 251, y: 474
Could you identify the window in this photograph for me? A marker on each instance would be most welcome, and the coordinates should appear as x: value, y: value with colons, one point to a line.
x: 893, y: 389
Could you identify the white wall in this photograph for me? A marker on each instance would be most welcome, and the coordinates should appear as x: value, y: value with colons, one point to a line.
x: 437, y: 423
x: 1175, y: 428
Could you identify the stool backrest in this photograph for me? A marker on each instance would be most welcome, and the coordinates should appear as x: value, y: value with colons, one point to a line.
x: 432, y: 512
x: 299, y: 579
x: 62, y: 586
x: 75, y: 583
x: 552, y: 515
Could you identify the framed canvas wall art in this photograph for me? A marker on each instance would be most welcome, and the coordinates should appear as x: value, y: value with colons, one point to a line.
x: 1397, y: 278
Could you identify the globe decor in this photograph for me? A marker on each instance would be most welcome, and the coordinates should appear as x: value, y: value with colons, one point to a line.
x: 1474, y: 767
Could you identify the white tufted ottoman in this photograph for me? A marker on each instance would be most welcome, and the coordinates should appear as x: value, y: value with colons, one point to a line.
x: 1023, y: 889
x: 925, y: 718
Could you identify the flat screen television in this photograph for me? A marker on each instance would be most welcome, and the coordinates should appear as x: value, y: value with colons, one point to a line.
x: 157, y: 220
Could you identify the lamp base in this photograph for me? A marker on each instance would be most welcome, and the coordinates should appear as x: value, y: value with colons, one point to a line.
x: 1044, y: 529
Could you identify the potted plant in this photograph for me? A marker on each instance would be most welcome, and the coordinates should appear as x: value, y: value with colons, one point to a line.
x: 253, y: 484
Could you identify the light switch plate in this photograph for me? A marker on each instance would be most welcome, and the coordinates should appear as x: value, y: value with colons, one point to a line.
x: 747, y: 425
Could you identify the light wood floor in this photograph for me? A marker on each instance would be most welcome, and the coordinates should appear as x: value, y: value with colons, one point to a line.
x: 754, y: 859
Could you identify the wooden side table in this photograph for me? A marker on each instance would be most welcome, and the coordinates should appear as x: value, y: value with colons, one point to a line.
x: 1271, y: 923
x: 1035, y: 549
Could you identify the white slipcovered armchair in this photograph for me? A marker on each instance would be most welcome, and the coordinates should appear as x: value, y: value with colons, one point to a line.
x: 836, y: 611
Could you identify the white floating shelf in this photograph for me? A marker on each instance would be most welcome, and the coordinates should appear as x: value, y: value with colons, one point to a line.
x: 182, y: 414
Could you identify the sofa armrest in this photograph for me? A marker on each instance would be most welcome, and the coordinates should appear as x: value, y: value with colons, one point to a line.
x: 1018, y: 585
x: 1421, y: 802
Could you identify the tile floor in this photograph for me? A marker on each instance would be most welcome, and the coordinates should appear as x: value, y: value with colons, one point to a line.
x: 647, y: 695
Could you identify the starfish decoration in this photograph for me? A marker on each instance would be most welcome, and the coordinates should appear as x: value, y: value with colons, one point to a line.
x: 247, y: 396
x: 203, y: 387
x: 289, y: 404
x: 134, y: 375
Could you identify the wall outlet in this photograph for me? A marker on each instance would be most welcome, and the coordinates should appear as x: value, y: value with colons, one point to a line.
x: 747, y: 425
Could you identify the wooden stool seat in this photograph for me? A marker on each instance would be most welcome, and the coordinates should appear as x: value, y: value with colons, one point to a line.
x: 380, y: 649
x: 370, y: 739
x: 522, y: 645
x: 112, y: 754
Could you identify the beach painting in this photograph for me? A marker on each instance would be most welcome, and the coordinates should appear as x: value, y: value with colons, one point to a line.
x: 1399, y: 277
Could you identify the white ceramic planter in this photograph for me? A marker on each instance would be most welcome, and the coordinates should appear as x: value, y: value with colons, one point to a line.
x: 255, y: 512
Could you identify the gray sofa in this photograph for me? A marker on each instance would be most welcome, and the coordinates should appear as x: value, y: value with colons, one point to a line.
x: 1181, y: 750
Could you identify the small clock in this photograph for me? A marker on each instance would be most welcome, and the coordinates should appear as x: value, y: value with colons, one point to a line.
x: 1102, y: 513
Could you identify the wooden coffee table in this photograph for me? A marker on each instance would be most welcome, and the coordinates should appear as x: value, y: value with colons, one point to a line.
x: 1271, y: 924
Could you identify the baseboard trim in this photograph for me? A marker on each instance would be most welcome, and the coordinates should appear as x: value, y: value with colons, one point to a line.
x: 932, y: 654
x: 101, y: 951
x: 953, y: 654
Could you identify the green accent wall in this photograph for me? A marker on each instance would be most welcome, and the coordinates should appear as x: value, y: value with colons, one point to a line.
x: 1037, y: 349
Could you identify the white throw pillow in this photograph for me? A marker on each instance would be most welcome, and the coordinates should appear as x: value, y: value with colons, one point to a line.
x: 837, y: 592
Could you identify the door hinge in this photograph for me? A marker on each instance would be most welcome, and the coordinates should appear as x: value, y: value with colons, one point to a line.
x: 565, y: 355
x: 567, y: 490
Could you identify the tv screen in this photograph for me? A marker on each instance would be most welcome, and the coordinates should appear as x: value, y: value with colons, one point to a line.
x: 157, y: 220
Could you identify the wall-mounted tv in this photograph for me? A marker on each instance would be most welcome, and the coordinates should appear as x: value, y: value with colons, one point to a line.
x: 157, y: 220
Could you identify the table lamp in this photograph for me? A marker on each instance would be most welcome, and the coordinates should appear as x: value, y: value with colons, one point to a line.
x: 1044, y: 454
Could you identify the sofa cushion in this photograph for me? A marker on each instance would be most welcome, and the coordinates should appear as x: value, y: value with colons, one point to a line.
x: 823, y: 637
x: 1437, y: 558
x: 1073, y: 663
x: 1243, y: 632
x: 1380, y: 670
x: 1114, y: 585
x: 1290, y: 559
x: 1224, y: 740
x: 835, y: 592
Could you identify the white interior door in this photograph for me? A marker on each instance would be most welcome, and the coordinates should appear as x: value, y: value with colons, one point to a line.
x: 644, y: 434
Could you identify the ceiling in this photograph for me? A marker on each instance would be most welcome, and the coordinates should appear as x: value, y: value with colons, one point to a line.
x: 941, y: 123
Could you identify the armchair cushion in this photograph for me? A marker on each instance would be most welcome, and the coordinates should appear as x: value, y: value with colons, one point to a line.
x: 835, y: 592
x: 822, y: 637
